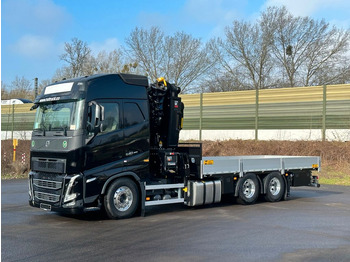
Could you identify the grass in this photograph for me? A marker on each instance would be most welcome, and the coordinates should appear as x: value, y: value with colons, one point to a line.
x: 329, y: 176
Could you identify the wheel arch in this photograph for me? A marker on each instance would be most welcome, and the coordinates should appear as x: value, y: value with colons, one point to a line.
x: 130, y: 175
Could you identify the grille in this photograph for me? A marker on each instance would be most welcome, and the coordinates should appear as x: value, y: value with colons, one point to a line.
x: 49, y: 165
x: 47, y: 197
x: 47, y: 184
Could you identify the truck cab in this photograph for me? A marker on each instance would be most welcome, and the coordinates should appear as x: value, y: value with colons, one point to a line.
x: 86, y: 130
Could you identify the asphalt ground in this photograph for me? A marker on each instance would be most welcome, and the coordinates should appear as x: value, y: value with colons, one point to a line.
x: 312, y: 225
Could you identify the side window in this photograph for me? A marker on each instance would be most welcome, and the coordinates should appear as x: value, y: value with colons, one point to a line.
x: 112, y: 117
x: 132, y: 114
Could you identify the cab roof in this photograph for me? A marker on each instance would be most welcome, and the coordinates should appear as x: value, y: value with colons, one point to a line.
x: 130, y: 79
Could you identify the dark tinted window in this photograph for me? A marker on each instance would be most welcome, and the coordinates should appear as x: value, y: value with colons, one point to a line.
x: 132, y: 114
x: 112, y: 119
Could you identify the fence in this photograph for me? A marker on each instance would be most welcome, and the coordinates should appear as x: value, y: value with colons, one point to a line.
x: 309, y: 110
x: 317, y: 112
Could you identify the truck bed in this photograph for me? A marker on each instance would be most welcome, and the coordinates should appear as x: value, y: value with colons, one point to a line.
x: 218, y: 165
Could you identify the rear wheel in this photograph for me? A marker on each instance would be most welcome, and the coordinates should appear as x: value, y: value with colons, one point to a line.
x: 122, y: 199
x: 248, y: 190
x: 274, y: 187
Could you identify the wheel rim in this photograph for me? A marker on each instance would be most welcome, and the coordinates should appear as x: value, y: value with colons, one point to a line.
x: 123, y: 198
x: 275, y: 186
x: 248, y: 188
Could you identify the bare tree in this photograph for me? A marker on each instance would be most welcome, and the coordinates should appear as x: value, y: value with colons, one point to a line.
x: 63, y: 73
x: 185, y: 60
x: 21, y: 88
x: 4, y: 91
x: 245, y: 50
x: 109, y: 62
x: 180, y: 58
x: 223, y: 82
x: 76, y: 55
x: 146, y: 47
x: 303, y: 46
x: 327, y: 55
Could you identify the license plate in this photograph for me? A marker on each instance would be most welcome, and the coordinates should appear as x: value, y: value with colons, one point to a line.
x: 45, y: 207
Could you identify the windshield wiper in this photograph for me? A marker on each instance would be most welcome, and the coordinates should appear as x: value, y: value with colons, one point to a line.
x: 57, y: 129
x: 37, y: 130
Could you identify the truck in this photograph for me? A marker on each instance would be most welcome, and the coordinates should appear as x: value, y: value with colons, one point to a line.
x: 110, y: 142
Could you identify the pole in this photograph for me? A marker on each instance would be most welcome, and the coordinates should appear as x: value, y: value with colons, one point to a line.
x: 13, y: 119
x: 35, y: 87
x: 256, y: 113
x: 324, y: 112
x: 200, y: 115
x: 15, y: 144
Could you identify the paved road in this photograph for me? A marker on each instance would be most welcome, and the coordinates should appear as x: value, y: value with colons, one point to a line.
x: 313, y: 225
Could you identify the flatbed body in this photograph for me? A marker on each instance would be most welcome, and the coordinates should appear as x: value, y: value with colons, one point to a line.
x: 218, y: 165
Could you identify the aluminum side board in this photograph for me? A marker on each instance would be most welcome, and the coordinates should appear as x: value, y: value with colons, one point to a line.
x: 243, y: 164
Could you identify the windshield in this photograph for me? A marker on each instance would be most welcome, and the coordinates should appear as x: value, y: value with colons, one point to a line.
x: 66, y: 115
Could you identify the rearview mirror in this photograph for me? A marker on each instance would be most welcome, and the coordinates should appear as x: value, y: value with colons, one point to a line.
x: 95, y: 117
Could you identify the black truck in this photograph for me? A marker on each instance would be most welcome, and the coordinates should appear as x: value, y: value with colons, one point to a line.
x: 111, y: 142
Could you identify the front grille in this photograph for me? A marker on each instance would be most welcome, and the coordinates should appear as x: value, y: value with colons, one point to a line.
x: 47, y: 197
x: 49, y: 184
x: 50, y: 165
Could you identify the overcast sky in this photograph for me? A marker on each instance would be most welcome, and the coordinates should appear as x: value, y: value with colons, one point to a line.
x: 33, y: 32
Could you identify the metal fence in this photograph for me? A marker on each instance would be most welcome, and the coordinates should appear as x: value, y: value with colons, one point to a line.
x: 316, y: 107
x: 15, y: 118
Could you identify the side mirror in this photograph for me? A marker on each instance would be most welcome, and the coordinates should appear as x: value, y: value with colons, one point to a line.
x: 95, y: 117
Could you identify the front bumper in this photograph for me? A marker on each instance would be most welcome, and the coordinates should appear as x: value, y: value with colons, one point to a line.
x: 49, y: 207
x: 56, y: 192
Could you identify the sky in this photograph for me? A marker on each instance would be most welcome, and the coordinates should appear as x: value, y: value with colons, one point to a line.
x: 33, y: 32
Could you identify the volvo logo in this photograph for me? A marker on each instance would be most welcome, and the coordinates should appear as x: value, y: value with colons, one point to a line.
x: 47, y: 143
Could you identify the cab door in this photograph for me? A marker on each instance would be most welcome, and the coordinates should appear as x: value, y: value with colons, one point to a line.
x: 136, y: 135
x: 107, y: 146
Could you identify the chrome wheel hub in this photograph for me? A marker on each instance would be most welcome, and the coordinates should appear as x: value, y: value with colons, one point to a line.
x: 123, y: 198
x: 248, y: 188
x: 274, y: 186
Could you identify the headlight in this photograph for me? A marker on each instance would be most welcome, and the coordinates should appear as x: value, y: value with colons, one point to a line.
x: 69, y: 196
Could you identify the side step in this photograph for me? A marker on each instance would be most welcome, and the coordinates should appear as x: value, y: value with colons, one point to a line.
x: 174, y: 200
x: 179, y: 199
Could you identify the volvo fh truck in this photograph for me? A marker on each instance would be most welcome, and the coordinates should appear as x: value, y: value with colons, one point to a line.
x: 111, y: 142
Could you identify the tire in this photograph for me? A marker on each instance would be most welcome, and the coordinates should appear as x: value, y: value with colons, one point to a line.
x: 122, y: 199
x: 248, y: 191
x: 274, y: 187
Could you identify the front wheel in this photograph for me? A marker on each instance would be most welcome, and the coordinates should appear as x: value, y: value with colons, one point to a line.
x: 248, y: 189
x: 122, y: 199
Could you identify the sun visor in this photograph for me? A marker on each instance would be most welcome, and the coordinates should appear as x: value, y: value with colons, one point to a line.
x: 62, y: 91
x: 59, y: 88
